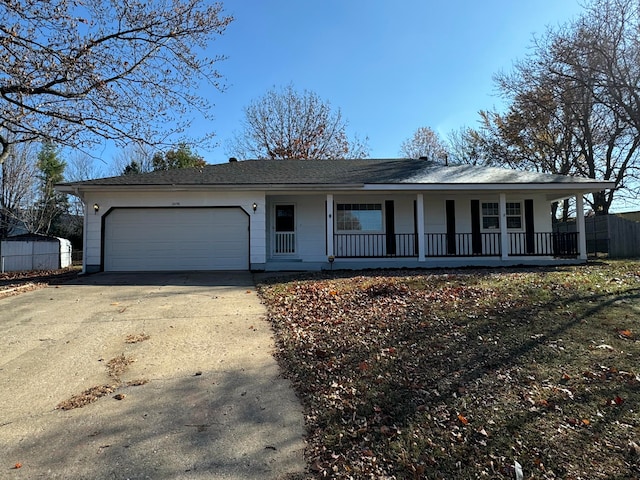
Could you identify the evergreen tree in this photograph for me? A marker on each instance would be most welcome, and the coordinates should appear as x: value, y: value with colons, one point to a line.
x: 51, y: 204
x: 182, y: 157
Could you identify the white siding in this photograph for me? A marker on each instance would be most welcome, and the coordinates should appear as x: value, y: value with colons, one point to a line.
x: 178, y: 198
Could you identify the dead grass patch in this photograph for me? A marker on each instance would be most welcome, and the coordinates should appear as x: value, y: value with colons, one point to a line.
x: 463, y: 373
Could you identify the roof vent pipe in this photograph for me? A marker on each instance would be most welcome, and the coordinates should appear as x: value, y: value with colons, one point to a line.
x: 233, y: 160
x: 444, y: 160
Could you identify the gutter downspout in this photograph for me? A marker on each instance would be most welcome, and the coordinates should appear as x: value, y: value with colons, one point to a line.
x: 84, y: 229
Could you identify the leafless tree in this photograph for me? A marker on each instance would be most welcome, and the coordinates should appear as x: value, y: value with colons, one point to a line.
x: 285, y: 123
x: 77, y: 72
x: 81, y: 166
x: 18, y: 187
x: 139, y: 154
x: 425, y: 143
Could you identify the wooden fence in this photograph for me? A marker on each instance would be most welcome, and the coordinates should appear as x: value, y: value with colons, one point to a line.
x: 611, y: 234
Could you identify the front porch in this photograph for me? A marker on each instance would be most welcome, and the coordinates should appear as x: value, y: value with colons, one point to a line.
x: 415, y: 230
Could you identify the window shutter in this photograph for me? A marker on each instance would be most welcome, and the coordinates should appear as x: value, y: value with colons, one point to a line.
x: 450, y: 208
x: 390, y: 227
x: 530, y: 235
x: 476, y: 236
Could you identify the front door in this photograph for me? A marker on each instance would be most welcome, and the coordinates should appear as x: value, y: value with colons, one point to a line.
x: 285, y: 230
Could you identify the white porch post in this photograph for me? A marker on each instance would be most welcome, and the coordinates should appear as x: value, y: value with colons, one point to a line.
x: 582, y: 233
x: 504, y: 235
x: 329, y: 219
x: 420, y: 226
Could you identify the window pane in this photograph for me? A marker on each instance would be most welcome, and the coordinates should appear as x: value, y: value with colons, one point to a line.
x: 370, y: 219
x: 490, y: 223
x: 514, y: 222
x: 285, y: 221
x: 513, y: 209
x: 489, y: 209
x: 359, y: 216
x: 347, y: 221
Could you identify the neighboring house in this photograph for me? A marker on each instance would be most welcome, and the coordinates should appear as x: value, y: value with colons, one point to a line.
x: 321, y: 214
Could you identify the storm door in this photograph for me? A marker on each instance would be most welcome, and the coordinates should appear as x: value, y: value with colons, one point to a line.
x: 285, y: 230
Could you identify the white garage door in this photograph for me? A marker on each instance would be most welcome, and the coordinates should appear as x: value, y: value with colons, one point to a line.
x: 153, y: 239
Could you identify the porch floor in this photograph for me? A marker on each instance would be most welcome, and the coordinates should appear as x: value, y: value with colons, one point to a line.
x: 413, y: 263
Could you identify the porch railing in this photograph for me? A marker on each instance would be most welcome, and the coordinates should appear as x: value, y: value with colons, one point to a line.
x: 461, y: 244
x: 374, y: 245
x: 285, y: 242
x: 559, y: 244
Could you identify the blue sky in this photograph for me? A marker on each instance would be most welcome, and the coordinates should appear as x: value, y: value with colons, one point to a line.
x: 390, y: 67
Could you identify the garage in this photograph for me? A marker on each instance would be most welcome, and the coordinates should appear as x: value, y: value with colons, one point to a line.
x: 162, y: 239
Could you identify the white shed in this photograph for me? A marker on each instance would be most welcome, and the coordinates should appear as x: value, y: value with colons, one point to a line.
x: 34, y: 252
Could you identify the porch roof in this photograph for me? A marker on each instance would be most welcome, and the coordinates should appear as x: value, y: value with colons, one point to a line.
x: 356, y: 174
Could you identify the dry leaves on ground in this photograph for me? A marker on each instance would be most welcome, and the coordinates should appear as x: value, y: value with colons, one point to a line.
x: 461, y: 374
x: 15, y: 283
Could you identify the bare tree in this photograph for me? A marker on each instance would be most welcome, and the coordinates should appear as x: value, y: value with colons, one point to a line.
x: 76, y: 72
x: 18, y: 187
x: 81, y: 166
x: 425, y: 143
x: 464, y: 147
x: 285, y: 123
x: 138, y: 154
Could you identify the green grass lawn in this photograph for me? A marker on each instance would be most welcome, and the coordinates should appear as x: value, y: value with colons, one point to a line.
x: 465, y: 373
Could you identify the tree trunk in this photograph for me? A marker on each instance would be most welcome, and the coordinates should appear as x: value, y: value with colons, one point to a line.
x: 600, y: 203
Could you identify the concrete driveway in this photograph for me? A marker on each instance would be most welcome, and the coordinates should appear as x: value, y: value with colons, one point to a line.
x: 213, y: 405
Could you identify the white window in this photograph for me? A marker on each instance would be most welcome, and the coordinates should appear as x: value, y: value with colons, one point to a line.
x: 361, y: 217
x: 514, y: 215
x: 491, y: 216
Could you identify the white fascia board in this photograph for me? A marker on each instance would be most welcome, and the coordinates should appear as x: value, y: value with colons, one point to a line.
x: 562, y: 189
x: 467, y: 187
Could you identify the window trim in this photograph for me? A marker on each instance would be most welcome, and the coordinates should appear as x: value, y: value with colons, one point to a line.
x: 483, y: 206
x: 519, y: 216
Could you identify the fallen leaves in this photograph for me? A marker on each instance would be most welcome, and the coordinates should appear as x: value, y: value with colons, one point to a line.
x: 451, y: 374
x: 116, y: 367
x: 137, y: 338
x: 463, y: 419
x: 14, y: 283
x: 628, y: 334
x: 90, y: 395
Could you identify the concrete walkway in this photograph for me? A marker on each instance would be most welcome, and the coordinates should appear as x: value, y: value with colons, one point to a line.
x: 214, y: 405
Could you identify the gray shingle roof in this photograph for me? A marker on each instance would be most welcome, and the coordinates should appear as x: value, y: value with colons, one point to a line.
x: 333, y: 172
